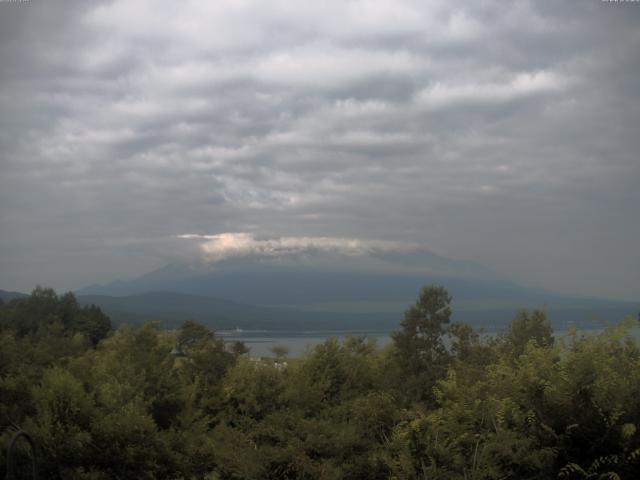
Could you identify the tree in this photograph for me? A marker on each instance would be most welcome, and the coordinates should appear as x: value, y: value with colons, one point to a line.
x: 280, y: 351
x: 44, y: 313
x: 528, y: 327
x: 239, y: 348
x: 419, y: 348
x: 92, y: 322
x: 193, y: 334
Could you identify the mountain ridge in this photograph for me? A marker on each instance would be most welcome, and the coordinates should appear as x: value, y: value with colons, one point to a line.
x: 309, y: 288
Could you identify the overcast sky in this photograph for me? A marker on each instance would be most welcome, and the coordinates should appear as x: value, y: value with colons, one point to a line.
x: 506, y: 133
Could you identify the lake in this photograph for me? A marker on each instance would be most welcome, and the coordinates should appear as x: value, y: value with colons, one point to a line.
x: 260, y: 342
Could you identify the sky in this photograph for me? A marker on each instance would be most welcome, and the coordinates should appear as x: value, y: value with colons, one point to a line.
x: 505, y: 133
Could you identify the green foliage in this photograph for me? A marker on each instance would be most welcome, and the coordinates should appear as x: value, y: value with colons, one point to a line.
x: 528, y: 327
x: 280, y: 351
x: 146, y: 403
x: 419, y: 346
x: 93, y: 323
x: 45, y: 314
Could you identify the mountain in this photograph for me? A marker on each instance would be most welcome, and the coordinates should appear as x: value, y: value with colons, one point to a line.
x: 301, y: 278
x: 328, y: 290
x: 171, y: 309
x: 7, y: 296
x: 290, y: 278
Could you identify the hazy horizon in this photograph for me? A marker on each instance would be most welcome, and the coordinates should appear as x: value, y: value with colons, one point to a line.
x: 135, y: 134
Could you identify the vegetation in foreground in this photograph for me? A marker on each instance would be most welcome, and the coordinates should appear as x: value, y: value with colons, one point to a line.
x: 143, y: 403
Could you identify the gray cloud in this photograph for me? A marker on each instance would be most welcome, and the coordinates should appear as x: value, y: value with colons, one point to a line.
x: 503, y: 133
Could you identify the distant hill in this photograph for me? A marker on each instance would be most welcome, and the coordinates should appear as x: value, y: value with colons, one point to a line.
x: 173, y: 308
x: 7, y: 296
x: 319, y: 277
x: 320, y: 290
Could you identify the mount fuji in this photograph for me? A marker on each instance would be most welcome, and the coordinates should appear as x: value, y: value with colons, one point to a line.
x: 325, y: 288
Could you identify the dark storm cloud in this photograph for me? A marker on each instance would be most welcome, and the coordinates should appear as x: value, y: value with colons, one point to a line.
x: 501, y: 132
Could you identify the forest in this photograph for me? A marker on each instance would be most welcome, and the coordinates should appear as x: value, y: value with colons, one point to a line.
x: 442, y: 401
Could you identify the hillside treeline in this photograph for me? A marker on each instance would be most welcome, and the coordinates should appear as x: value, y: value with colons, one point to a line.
x: 440, y: 402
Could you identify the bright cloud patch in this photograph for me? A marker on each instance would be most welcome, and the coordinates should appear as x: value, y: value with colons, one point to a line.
x: 519, y: 86
x: 226, y: 245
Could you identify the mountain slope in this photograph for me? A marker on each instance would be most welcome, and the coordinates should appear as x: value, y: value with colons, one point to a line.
x: 332, y: 290
x: 7, y: 296
x: 174, y: 308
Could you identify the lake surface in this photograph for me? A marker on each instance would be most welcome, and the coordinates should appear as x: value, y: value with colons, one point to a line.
x: 260, y: 342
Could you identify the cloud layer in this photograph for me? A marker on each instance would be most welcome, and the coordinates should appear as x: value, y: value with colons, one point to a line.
x: 501, y: 132
x: 228, y: 245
